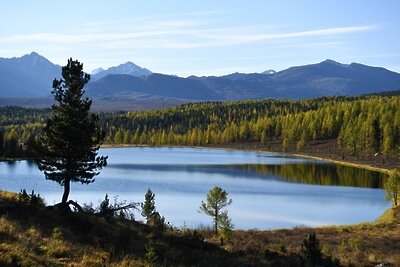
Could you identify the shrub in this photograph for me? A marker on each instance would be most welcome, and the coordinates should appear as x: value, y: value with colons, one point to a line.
x: 32, y: 198
x: 150, y: 256
x: 119, y: 209
x: 282, y: 248
x: 225, y: 227
x: 310, y: 249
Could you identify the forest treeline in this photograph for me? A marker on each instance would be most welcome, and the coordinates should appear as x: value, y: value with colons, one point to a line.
x: 361, y: 125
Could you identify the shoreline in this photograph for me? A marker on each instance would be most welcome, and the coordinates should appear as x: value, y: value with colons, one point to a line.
x: 236, y: 148
x: 340, y: 162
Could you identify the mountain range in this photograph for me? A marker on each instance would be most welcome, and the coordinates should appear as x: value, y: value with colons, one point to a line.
x: 31, y: 76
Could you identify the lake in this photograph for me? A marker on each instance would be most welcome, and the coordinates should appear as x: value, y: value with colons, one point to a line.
x: 268, y: 190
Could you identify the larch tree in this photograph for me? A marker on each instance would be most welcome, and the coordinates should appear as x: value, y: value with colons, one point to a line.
x: 127, y: 137
x: 217, y: 199
x: 119, y: 136
x: 71, y: 138
x: 392, y: 187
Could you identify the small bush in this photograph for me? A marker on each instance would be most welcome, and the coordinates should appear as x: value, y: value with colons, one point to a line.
x: 32, y: 198
x: 57, y: 234
x: 95, y: 259
x: 150, y: 256
x: 88, y: 208
x: 119, y: 209
x: 310, y: 249
x: 225, y: 228
x: 157, y: 221
x: 282, y: 248
x: 56, y: 246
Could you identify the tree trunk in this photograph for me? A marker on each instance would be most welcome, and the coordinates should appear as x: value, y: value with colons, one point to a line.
x: 67, y: 185
x: 216, y: 220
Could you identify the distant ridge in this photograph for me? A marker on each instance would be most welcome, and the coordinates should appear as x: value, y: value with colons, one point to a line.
x: 32, y: 75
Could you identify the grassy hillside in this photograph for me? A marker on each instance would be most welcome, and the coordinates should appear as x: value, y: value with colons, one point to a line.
x: 34, y: 235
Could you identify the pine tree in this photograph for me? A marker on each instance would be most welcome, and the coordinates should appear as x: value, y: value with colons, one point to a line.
x: 225, y: 226
x: 311, y: 250
x: 387, y: 144
x: 119, y: 136
x: 217, y: 199
x: 171, y: 137
x: 263, y: 137
x: 392, y: 187
x: 135, y: 138
x: 71, y: 137
x: 127, y: 137
x: 164, y: 138
x: 11, y: 144
x: 149, y: 205
x: 143, y: 138
x: 151, y: 255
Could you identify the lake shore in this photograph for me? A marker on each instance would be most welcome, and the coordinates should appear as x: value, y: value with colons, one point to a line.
x: 320, y: 151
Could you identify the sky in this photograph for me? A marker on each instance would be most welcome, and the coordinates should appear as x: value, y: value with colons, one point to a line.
x: 203, y: 37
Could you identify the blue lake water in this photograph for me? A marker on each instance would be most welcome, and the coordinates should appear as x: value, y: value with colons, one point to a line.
x: 268, y: 190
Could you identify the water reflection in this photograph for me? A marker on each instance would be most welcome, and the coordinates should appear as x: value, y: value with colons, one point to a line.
x: 11, y: 165
x: 316, y: 173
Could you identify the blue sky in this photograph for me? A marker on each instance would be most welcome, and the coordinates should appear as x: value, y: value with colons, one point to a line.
x: 203, y: 37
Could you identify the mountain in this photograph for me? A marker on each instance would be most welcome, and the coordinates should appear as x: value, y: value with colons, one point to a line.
x: 160, y: 85
x: 330, y: 78
x: 127, y: 68
x: 27, y: 76
x: 32, y: 75
x: 327, y: 78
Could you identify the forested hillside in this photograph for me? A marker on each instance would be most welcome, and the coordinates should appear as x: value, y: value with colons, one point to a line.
x: 360, y: 125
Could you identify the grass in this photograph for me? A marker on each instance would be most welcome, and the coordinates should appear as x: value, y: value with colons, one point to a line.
x: 365, y: 244
x: 34, y: 235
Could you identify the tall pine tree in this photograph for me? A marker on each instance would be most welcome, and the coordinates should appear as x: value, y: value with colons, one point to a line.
x: 149, y: 205
x: 71, y: 137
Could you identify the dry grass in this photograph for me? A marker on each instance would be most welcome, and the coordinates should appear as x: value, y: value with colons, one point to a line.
x: 36, y: 236
x: 364, y: 244
x: 33, y: 235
